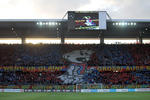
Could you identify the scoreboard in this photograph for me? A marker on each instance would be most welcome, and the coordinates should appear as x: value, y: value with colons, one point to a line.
x: 78, y: 20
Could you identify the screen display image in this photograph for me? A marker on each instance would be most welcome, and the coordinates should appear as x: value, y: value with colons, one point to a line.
x: 87, y: 21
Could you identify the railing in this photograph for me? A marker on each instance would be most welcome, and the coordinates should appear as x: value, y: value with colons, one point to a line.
x: 73, y: 87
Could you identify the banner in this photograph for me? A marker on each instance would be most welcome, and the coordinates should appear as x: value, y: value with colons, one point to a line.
x: 81, y: 69
x: 33, y: 68
x: 119, y: 68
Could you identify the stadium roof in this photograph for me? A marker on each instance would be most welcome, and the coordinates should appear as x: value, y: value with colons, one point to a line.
x: 131, y: 20
x: 37, y: 20
x: 30, y: 20
x: 30, y: 28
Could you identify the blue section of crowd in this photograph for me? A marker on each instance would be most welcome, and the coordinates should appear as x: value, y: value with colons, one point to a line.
x: 52, y: 54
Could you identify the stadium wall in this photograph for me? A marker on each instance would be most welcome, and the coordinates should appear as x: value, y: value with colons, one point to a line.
x: 11, y: 90
x: 82, y: 90
x: 116, y: 90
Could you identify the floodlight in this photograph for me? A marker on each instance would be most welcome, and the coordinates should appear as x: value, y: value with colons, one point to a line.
x: 41, y: 23
x: 134, y: 23
x: 126, y: 23
x: 54, y: 23
x: 44, y: 23
x: 50, y: 23
x: 146, y: 29
x: 122, y: 23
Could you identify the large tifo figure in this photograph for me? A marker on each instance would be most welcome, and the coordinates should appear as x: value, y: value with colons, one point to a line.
x: 76, y: 69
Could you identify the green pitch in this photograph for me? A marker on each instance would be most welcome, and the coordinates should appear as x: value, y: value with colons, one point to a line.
x: 76, y: 96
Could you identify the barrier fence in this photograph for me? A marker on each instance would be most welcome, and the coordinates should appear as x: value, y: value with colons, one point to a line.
x: 71, y: 87
x: 82, y: 90
x: 76, y: 88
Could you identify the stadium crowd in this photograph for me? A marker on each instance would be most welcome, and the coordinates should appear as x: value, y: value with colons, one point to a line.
x: 94, y: 77
x: 52, y: 54
x: 29, y: 78
x: 118, y: 78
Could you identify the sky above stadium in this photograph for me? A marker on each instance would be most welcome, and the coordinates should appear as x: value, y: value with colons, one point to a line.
x: 44, y: 9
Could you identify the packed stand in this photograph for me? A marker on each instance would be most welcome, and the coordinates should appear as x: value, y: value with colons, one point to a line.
x: 118, y: 78
x: 93, y: 77
x: 52, y: 54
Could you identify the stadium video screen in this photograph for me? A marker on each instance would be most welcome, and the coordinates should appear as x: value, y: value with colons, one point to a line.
x: 87, y: 21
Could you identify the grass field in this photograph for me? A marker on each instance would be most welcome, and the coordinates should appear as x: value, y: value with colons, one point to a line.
x: 76, y: 96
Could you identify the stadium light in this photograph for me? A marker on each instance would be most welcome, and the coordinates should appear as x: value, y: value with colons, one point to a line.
x: 134, y: 24
x: 46, y: 23
x: 126, y: 23
x: 40, y: 23
x: 146, y: 29
x: 52, y: 23
x: 117, y: 23
x: 122, y: 23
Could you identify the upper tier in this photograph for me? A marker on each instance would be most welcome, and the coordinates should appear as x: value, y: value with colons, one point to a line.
x: 65, y: 54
